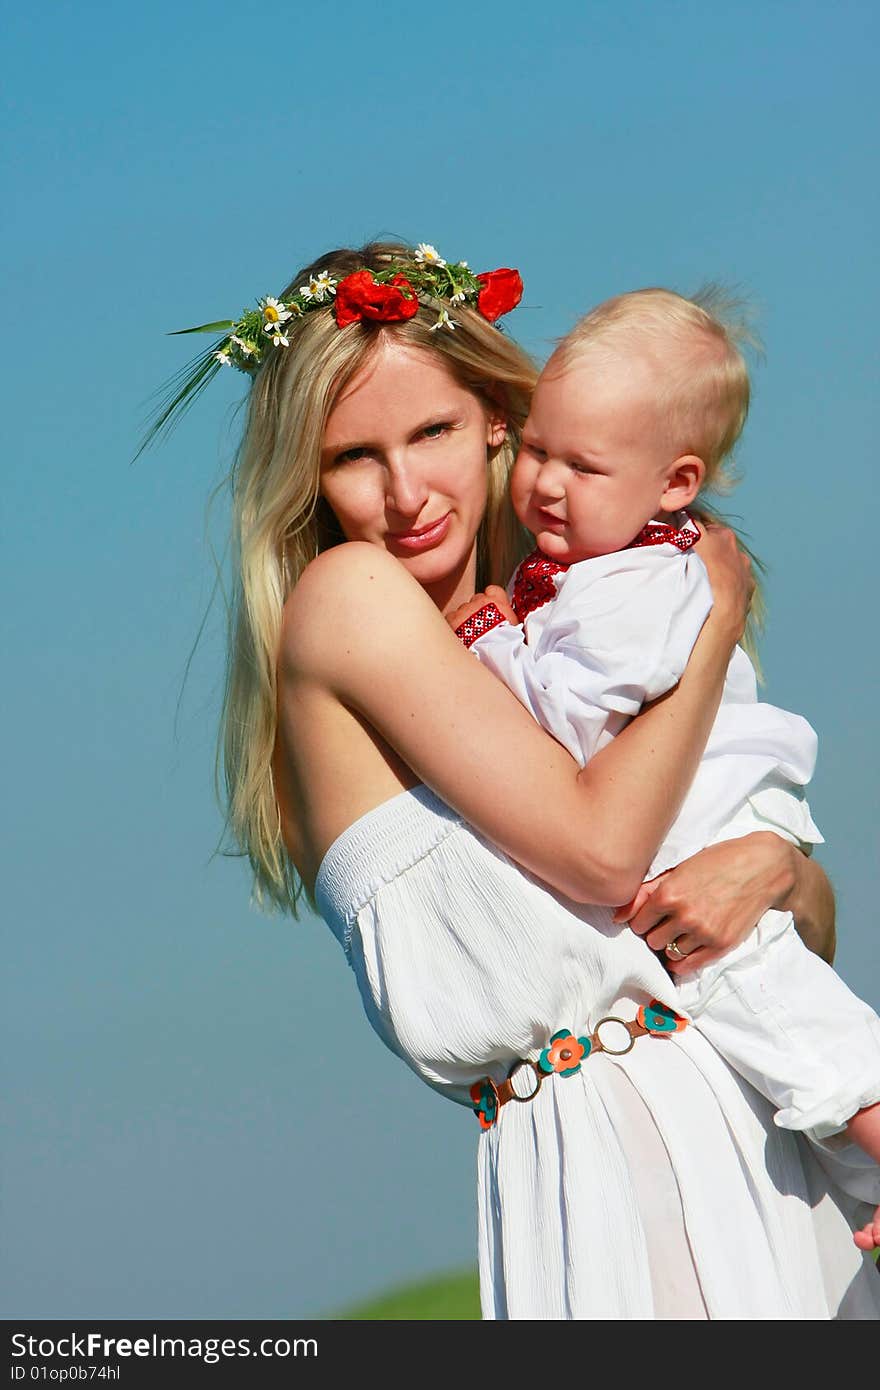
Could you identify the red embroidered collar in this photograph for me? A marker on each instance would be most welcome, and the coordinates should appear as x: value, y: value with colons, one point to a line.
x: 659, y: 533
x: 535, y: 584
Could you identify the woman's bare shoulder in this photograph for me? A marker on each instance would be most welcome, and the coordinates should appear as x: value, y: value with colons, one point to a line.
x: 343, y: 597
x: 342, y: 565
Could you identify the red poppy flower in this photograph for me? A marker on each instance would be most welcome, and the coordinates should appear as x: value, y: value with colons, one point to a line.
x: 359, y: 297
x: 501, y: 291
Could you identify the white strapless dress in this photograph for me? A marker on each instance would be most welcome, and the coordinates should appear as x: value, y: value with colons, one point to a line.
x: 654, y: 1185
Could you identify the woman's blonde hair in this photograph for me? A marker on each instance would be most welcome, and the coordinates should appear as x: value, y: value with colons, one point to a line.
x: 280, y: 521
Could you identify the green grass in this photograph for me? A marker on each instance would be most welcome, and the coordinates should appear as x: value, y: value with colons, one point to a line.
x: 450, y: 1298
x: 453, y: 1297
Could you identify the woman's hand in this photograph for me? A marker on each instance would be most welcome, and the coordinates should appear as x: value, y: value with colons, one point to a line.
x: 730, y: 574
x: 709, y: 903
x: 494, y: 594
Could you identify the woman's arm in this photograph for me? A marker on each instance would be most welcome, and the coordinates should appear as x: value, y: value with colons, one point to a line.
x: 388, y: 655
x: 811, y: 903
x: 714, y: 899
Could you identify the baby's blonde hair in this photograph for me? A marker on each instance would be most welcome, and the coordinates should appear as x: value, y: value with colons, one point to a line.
x: 695, y: 346
x: 280, y: 521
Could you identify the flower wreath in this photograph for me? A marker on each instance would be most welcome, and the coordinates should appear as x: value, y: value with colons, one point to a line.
x: 390, y: 295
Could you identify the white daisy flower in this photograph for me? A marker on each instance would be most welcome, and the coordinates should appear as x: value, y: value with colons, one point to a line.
x: 222, y: 356
x: 428, y: 255
x: 240, y: 343
x: 273, y: 310
x: 458, y: 297
x: 277, y: 334
x: 322, y: 286
x: 464, y: 265
x: 443, y: 321
x: 319, y: 289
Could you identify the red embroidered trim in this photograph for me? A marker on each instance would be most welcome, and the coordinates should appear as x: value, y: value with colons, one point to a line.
x: 479, y: 623
x: 658, y: 533
x: 533, y: 585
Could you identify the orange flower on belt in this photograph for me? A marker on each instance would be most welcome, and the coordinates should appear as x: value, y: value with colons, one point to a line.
x: 565, y: 1053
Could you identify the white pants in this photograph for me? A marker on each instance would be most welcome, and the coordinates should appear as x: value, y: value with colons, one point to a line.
x: 787, y: 1022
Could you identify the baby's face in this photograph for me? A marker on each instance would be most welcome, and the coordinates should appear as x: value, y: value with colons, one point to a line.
x: 594, y: 460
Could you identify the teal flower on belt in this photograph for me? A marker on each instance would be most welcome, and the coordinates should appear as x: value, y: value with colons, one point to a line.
x: 659, y: 1018
x: 485, y: 1103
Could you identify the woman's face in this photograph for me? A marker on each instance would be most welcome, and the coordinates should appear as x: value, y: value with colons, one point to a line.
x: 404, y: 466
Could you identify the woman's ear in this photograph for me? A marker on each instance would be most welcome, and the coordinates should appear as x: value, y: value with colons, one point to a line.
x: 683, y: 481
x: 496, y: 431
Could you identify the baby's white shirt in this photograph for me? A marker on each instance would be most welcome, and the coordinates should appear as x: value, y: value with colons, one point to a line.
x: 618, y: 633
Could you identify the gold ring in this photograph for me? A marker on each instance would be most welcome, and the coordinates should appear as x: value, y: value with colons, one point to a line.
x: 674, y: 951
x: 519, y: 1066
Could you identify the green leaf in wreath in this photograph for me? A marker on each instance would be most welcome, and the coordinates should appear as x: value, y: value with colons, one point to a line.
x: 221, y: 327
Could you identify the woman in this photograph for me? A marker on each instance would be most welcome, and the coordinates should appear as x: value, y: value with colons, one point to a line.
x: 649, y: 1184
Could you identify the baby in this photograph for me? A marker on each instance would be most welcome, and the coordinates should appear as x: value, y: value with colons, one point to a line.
x: 636, y: 412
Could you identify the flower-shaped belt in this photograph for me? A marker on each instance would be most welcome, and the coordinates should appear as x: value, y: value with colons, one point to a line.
x: 564, y: 1054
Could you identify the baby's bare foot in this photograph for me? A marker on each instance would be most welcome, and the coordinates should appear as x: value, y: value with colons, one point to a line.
x: 868, y: 1238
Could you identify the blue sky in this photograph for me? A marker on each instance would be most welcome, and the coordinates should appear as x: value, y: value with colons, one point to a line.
x: 204, y: 1124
